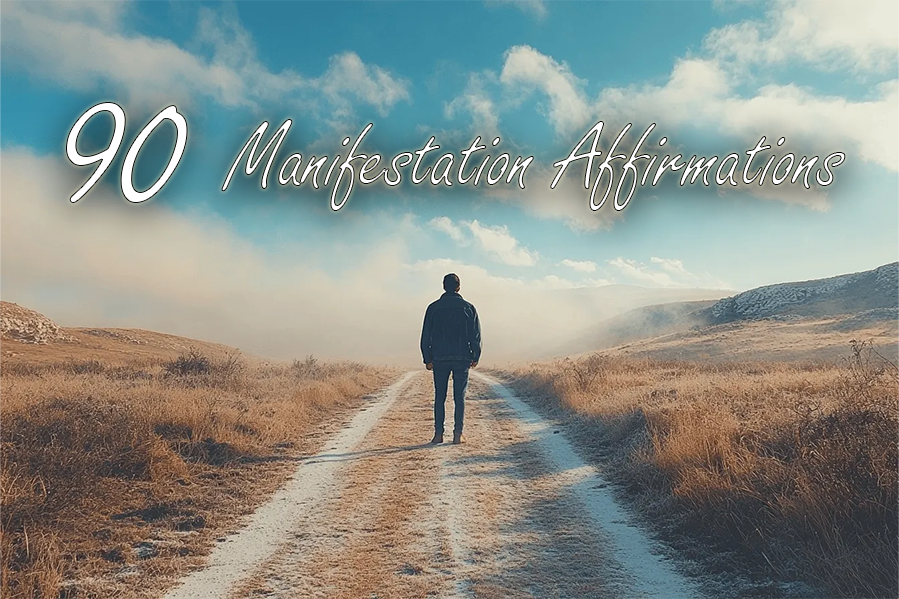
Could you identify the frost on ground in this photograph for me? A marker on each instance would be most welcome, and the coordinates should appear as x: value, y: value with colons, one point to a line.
x: 513, y: 512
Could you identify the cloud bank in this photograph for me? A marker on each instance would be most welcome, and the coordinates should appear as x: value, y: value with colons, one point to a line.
x: 85, y: 47
x: 730, y: 88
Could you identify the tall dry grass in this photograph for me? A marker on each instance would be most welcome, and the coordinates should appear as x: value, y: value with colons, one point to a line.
x: 86, y: 446
x: 790, y: 469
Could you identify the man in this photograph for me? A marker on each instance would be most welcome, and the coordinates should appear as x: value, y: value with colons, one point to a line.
x: 450, y: 342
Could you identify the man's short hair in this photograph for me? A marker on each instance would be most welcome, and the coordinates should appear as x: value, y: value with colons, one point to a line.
x: 450, y: 282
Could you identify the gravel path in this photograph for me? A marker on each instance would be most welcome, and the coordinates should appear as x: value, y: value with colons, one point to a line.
x: 513, y: 512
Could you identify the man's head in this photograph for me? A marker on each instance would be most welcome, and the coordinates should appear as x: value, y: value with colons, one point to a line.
x: 451, y: 282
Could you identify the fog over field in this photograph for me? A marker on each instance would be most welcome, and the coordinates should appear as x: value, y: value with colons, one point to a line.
x: 105, y: 263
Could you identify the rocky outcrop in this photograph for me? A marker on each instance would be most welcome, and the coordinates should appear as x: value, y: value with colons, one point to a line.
x: 844, y: 294
x: 28, y: 326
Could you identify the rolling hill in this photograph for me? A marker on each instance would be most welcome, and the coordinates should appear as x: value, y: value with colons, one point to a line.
x: 856, y: 293
x: 806, y: 319
x: 30, y: 337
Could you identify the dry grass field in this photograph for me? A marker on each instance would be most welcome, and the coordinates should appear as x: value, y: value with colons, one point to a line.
x: 126, y: 453
x: 789, y: 468
x: 820, y: 339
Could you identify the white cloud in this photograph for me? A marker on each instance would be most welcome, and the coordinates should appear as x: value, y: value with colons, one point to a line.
x: 568, y: 202
x: 445, y: 224
x: 814, y: 198
x: 860, y: 35
x: 81, y: 55
x: 498, y: 242
x: 579, y: 265
x: 712, y: 93
x: 348, y: 76
x: 692, y: 85
x: 526, y: 67
x: 699, y: 94
x: 495, y: 241
x: 535, y: 8
x: 641, y: 273
x: 87, y: 48
x: 673, y: 266
x: 667, y: 273
x: 476, y: 101
x: 701, y: 91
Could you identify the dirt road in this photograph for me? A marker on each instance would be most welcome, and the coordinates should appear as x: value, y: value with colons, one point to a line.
x: 513, y: 512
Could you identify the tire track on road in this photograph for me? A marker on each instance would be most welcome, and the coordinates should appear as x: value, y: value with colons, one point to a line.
x: 638, y: 560
x: 377, y: 534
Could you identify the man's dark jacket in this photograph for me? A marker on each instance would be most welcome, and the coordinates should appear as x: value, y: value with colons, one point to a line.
x: 451, y: 331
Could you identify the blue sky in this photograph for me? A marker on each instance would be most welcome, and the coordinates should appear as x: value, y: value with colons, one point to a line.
x: 193, y: 260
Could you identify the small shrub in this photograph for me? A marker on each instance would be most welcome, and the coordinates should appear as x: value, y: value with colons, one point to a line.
x: 231, y: 365
x: 307, y: 369
x: 87, y: 367
x: 586, y: 370
x: 191, y: 363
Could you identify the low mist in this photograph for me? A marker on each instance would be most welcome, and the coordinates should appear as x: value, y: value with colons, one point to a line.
x: 105, y: 263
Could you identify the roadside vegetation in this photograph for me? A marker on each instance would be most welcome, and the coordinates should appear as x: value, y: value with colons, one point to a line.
x: 106, y: 466
x: 790, y: 469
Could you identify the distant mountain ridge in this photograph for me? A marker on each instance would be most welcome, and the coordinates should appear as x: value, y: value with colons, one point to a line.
x: 857, y: 298
x: 843, y: 294
x: 639, y: 323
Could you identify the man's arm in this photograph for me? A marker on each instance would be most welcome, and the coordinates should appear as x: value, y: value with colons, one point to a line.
x: 426, y: 327
x: 474, y: 336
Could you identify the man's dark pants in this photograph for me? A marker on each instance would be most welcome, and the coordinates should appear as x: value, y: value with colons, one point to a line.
x: 441, y: 382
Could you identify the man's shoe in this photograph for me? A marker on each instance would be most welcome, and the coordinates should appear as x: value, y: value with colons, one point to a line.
x: 438, y: 438
x: 457, y: 438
